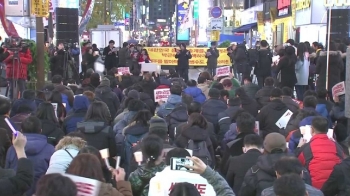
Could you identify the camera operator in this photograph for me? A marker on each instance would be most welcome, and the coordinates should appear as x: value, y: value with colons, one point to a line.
x: 110, y: 53
x: 74, y: 51
x: 16, y: 71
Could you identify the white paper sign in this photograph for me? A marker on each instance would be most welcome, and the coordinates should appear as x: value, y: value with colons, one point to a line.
x: 123, y: 70
x: 338, y: 89
x: 283, y: 121
x: 104, y: 153
x: 55, y: 108
x: 99, y: 67
x: 150, y: 67
x: 85, y: 186
x: 306, y: 132
x: 161, y: 94
x: 223, y: 71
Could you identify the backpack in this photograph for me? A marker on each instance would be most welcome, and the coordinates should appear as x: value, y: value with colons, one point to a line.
x: 253, y: 57
x: 129, y: 142
x: 200, y: 150
x: 266, y: 59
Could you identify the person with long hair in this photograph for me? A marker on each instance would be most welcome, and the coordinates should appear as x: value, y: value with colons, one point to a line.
x: 286, y: 68
x: 97, y: 130
x: 302, y: 70
x: 61, y: 112
x: 148, y: 85
x: 152, y: 148
x: 89, y: 166
x: 196, y: 130
x: 55, y: 185
x: 144, y: 57
x: 49, y: 124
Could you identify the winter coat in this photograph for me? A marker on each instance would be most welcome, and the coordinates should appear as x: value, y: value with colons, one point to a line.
x: 302, y: 70
x: 106, y: 94
x: 20, y: 72
x: 322, y: 160
x: 123, y: 189
x: 110, y: 59
x: 196, y: 93
x: 336, y: 67
x: 121, y: 55
x: 250, y: 105
x: 52, y: 131
x: 167, y: 107
x: 99, y: 135
x: 20, y: 102
x: 140, y: 179
x: 175, y: 118
x: 269, y: 115
x: 61, y: 159
x: 251, y: 89
x: 21, y: 182
x: 183, y: 59
x: 225, y: 120
x: 148, y: 87
x: 205, y: 89
x: 38, y: 152
x: 57, y: 62
x: 125, y: 121
x: 261, y: 175
x: 88, y: 61
x: 212, y: 61
x: 263, y: 67
x: 293, y: 123
x: 263, y: 95
x: 291, y: 104
x: 210, y: 110
x: 230, y: 135
x: 309, y: 189
x: 221, y: 188
x: 233, y: 148
x: 338, y: 181
x: 288, y: 76
x: 238, y: 167
x: 241, y: 59
x: 19, y: 118
x: 65, y: 90
x: 80, y: 107
x: 147, y: 99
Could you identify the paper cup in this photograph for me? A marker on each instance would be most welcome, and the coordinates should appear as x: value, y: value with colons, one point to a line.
x: 138, y: 157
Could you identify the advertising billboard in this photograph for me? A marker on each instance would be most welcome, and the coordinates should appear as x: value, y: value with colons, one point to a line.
x: 184, y: 20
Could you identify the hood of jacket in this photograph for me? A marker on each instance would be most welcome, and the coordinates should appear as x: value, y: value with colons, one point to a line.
x: 194, y: 91
x: 135, y: 129
x: 179, y: 113
x: 91, y: 127
x: 81, y: 103
x: 103, y: 89
x: 174, y: 99
x: 195, y: 133
x: 35, y: 143
x: 266, y: 162
x: 164, y: 81
x: 277, y: 105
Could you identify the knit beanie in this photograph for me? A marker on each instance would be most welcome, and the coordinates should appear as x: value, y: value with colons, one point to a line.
x: 157, y: 123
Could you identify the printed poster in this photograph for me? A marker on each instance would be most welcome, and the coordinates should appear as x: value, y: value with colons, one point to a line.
x: 283, y: 121
x: 161, y: 94
x: 338, y: 89
x: 223, y: 71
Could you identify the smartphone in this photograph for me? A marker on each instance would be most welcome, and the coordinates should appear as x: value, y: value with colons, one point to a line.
x: 178, y: 163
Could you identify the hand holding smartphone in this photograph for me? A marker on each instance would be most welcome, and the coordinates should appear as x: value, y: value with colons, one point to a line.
x: 178, y: 163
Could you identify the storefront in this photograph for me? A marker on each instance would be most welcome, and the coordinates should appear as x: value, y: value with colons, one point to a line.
x: 282, y: 26
x: 311, y: 19
x: 248, y: 24
x: 269, y: 15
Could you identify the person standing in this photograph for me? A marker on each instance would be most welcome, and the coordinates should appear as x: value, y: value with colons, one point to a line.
x: 122, y: 54
x: 263, y: 67
x: 183, y: 56
x: 212, y: 55
x: 302, y: 71
x: 110, y: 52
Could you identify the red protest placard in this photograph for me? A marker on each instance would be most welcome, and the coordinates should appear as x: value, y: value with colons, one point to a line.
x: 223, y: 71
x: 338, y: 89
x: 123, y: 70
x: 161, y: 94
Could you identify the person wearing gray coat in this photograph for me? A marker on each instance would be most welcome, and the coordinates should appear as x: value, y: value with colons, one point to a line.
x: 212, y: 55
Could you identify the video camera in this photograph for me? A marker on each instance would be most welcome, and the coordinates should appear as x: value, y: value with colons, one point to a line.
x: 15, y: 43
x: 69, y: 44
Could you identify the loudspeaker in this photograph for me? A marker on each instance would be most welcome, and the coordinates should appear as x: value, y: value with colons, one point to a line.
x: 67, y: 25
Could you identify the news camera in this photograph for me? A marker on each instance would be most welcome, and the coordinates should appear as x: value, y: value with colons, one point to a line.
x: 15, y: 43
x: 69, y: 45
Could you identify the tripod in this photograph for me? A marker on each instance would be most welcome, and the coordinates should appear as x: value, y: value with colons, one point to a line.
x: 16, y: 94
x: 66, y: 72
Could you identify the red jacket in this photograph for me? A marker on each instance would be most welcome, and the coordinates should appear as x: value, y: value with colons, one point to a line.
x: 141, y: 59
x: 319, y: 156
x: 20, y: 71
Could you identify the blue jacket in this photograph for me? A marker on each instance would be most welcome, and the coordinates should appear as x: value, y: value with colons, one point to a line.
x: 15, y: 106
x: 196, y: 93
x: 38, y: 152
x: 80, y: 107
x: 166, y: 108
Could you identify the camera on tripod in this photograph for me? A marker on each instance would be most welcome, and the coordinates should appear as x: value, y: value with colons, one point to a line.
x: 69, y: 45
x: 15, y: 43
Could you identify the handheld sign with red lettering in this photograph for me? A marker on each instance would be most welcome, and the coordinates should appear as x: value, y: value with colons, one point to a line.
x: 85, y: 186
x: 123, y: 70
x: 161, y: 94
x: 338, y: 89
x: 223, y: 71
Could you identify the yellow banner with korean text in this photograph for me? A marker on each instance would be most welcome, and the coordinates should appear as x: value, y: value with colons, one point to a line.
x: 166, y: 56
x: 39, y: 8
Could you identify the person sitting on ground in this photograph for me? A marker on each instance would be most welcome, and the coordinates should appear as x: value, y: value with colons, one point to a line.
x: 195, y: 92
x: 287, y: 166
x: 212, y: 107
x: 263, y: 95
x: 105, y: 94
x: 28, y: 99
x: 57, y: 82
x: 5, y: 108
x: 204, y: 86
x: 287, y: 94
x: 250, y: 88
x: 226, y: 117
x: 52, y: 184
x: 249, y: 104
x: 290, y: 185
x: 224, y: 95
x: 173, y: 100
x: 80, y: 107
x: 24, y: 111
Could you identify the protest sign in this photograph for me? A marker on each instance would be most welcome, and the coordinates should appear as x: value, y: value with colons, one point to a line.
x: 150, y: 67
x: 307, y: 135
x: 54, y: 105
x: 282, y: 122
x: 223, y: 71
x: 123, y: 70
x: 85, y: 186
x: 338, y: 89
x: 161, y: 94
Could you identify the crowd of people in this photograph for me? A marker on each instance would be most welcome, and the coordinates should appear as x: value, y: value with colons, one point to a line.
x: 229, y: 129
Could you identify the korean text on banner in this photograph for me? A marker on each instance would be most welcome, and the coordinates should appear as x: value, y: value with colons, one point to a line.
x: 338, y: 89
x: 161, y: 94
x: 223, y: 71
x: 123, y: 70
x: 166, y: 56
x: 85, y: 186
x: 283, y: 121
x: 39, y: 8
